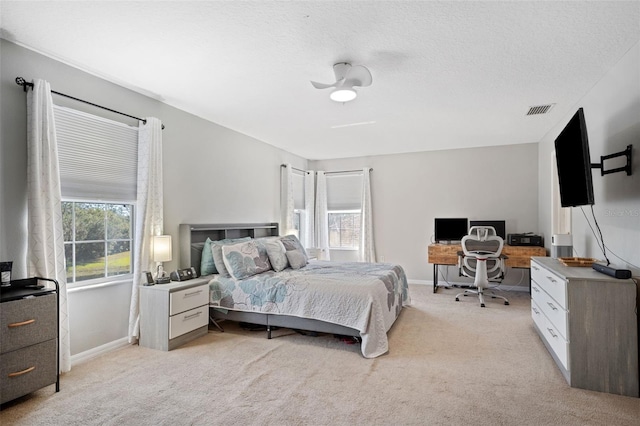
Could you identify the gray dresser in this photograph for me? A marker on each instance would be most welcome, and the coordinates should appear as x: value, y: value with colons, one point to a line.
x: 28, y: 338
x: 589, y: 324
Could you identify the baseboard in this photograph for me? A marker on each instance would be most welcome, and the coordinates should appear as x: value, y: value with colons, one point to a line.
x: 100, y: 350
x: 441, y: 284
x: 513, y: 288
x: 420, y: 282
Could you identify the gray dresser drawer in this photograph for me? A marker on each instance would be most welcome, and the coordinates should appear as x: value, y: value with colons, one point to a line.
x: 26, y: 322
x: 27, y: 370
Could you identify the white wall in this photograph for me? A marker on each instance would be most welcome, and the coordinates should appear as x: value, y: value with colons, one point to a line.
x: 612, y: 114
x: 211, y: 175
x: 410, y: 190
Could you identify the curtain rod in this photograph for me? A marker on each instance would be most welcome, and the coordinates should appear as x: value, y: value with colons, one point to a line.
x: 294, y: 168
x: 347, y: 171
x: 22, y: 82
x: 326, y: 173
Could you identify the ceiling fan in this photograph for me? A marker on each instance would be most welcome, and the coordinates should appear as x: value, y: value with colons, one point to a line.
x: 347, y: 77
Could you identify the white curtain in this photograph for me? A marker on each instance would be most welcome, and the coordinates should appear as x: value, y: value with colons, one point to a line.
x: 286, y: 200
x: 367, y: 248
x: 149, y: 214
x: 45, y: 253
x: 309, y: 208
x: 322, y: 217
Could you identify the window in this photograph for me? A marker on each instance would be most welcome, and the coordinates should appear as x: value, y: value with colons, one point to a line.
x: 344, y: 229
x: 297, y: 220
x: 98, y: 179
x: 97, y: 240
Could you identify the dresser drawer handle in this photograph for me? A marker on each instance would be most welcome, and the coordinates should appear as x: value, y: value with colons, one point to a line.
x: 552, y: 333
x: 551, y: 306
x: 192, y: 293
x: 20, y: 373
x: 534, y: 268
x: 552, y: 280
x: 197, y: 314
x: 534, y: 288
x: 535, y: 310
x: 18, y: 324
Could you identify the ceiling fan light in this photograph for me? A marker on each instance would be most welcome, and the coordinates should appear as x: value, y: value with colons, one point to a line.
x: 343, y: 94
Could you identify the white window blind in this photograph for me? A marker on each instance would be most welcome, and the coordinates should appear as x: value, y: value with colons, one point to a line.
x: 98, y: 157
x: 344, y: 191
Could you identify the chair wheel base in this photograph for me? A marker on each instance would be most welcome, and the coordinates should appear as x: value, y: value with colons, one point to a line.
x: 457, y: 299
x: 482, y: 305
x: 506, y: 303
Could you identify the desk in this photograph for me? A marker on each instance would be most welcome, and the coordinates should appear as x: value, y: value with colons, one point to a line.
x: 447, y: 254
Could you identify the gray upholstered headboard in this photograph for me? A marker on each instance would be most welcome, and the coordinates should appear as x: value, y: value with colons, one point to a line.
x: 192, y: 237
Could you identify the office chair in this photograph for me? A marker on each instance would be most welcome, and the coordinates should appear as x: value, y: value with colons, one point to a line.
x: 482, y: 260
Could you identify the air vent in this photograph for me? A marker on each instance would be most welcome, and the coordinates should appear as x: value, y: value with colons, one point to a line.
x: 540, y: 109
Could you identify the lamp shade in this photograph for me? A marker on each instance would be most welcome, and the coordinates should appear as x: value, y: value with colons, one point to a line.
x: 343, y: 94
x: 162, y: 248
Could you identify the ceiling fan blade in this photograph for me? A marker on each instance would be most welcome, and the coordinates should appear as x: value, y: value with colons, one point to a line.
x: 326, y: 86
x: 359, y: 76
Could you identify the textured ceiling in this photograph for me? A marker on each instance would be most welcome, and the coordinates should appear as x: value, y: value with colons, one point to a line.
x: 445, y: 74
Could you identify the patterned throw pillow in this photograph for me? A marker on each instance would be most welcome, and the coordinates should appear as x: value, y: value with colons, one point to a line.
x: 242, y: 260
x: 277, y: 255
x: 207, y: 265
x: 216, y: 248
x: 291, y: 242
x: 296, y: 259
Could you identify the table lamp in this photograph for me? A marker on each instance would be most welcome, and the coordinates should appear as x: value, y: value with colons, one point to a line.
x: 161, y: 253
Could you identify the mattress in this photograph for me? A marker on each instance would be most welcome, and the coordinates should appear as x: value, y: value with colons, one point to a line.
x: 367, y: 297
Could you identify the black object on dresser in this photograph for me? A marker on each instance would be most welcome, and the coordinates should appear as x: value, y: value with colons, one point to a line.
x: 29, y: 337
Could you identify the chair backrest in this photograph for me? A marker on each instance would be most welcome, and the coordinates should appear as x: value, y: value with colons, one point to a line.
x: 482, y: 242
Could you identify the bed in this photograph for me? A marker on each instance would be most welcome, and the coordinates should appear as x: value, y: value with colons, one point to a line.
x: 343, y: 298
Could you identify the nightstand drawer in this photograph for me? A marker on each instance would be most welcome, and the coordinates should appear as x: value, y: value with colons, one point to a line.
x: 188, y: 321
x: 188, y: 298
x: 26, y: 322
x: 555, y: 286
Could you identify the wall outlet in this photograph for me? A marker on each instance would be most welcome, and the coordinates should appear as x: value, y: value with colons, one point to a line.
x: 381, y: 258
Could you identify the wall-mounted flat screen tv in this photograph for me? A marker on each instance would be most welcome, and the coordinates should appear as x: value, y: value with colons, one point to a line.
x: 450, y: 229
x: 574, y: 163
x: 498, y: 225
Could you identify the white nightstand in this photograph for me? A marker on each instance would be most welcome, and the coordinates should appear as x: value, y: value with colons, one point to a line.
x: 173, y: 314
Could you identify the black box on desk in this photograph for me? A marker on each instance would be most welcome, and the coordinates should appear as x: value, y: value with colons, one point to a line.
x: 525, y: 240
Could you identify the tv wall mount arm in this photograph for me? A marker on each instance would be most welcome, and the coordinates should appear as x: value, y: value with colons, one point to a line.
x: 626, y: 168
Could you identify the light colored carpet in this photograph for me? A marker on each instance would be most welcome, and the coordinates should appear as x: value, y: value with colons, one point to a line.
x: 449, y: 363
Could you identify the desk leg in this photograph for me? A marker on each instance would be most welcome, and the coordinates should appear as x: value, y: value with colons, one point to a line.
x: 435, y: 277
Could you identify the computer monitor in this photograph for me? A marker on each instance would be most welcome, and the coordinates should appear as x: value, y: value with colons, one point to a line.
x: 450, y: 229
x: 498, y: 225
